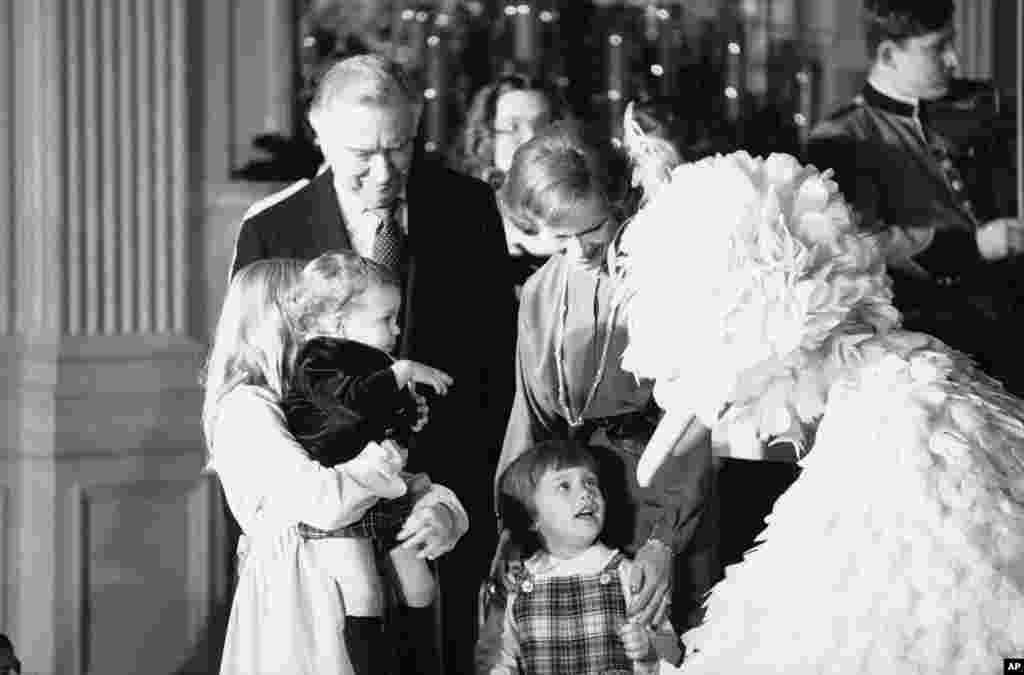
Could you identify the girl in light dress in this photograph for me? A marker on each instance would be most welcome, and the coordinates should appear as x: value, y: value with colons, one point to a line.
x: 288, y: 614
x: 346, y: 390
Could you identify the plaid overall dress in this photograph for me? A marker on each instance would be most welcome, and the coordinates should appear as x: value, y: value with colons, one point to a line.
x: 569, y: 625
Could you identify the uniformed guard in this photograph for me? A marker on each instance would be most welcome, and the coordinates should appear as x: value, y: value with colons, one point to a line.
x: 926, y: 194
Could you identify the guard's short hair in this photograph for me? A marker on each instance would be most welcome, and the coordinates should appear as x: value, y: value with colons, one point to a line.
x: 898, y: 20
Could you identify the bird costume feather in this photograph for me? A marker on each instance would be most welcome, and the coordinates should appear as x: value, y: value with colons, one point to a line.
x: 763, y: 314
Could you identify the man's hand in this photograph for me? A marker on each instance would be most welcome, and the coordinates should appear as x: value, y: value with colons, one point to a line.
x: 1000, y: 238
x: 649, y: 582
x: 1015, y: 235
x: 429, y: 528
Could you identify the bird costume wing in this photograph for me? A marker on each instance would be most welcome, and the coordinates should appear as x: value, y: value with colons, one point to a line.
x: 900, y: 549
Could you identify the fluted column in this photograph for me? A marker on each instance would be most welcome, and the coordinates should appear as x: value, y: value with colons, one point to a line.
x: 127, y: 166
x: 974, y: 27
x: 280, y: 52
x: 7, y: 169
x: 102, y: 501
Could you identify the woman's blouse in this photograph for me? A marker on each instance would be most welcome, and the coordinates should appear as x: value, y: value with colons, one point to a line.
x: 593, y: 324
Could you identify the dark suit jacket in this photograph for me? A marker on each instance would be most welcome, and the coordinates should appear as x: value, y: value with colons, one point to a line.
x: 457, y: 313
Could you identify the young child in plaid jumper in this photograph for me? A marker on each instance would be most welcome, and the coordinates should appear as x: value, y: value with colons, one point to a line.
x: 566, y: 609
x: 347, y: 391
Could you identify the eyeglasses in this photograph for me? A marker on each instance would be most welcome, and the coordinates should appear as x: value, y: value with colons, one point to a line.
x: 582, y: 234
x: 521, y: 127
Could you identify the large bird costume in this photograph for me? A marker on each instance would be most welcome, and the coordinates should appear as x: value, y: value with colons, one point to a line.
x: 763, y: 315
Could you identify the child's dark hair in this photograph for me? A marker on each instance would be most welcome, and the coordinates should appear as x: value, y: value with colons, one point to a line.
x: 330, y: 284
x: 898, y: 20
x: 519, y: 485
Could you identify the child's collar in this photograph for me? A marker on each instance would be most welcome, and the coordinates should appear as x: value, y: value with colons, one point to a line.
x: 596, y: 556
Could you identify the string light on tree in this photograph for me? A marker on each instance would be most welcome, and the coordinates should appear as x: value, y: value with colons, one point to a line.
x: 616, y: 74
x: 804, y: 103
x: 435, y: 93
x: 525, y: 34
x: 733, y: 79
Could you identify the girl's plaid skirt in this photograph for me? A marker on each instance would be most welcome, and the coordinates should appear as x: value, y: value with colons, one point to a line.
x: 570, y: 624
x: 380, y: 523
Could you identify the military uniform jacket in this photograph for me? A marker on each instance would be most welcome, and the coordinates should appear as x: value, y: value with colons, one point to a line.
x: 897, y: 171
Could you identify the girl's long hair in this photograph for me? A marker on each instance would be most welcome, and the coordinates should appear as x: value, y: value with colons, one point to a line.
x: 254, y: 342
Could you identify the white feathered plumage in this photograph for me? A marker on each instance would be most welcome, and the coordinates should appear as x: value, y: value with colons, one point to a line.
x: 758, y: 309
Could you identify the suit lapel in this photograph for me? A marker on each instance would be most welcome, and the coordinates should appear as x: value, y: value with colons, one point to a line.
x: 417, y: 213
x: 326, y: 223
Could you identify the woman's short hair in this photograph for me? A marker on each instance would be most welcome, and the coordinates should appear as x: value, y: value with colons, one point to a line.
x: 475, y: 151
x: 898, y: 20
x: 558, y: 169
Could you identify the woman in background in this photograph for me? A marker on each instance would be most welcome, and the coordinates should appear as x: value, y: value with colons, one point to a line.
x: 503, y: 115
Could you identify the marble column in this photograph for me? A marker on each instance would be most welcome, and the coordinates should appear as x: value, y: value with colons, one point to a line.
x: 975, y: 33
x: 125, y: 193
x: 6, y: 188
x: 109, y: 530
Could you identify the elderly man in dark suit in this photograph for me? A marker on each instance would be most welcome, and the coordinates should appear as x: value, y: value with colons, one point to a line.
x: 442, y: 234
x: 928, y: 199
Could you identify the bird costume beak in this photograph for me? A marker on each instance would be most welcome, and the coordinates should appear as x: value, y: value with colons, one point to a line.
x: 677, y: 433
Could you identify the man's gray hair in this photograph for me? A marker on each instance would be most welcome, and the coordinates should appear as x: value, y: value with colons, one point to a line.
x: 366, y: 79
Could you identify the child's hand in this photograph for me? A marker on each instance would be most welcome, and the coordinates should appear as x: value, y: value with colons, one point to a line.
x: 636, y: 641
x: 395, y: 456
x: 407, y: 371
x: 422, y: 410
x: 377, y: 467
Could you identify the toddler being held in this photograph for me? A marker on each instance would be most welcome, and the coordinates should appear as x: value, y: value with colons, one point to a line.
x: 347, y: 393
